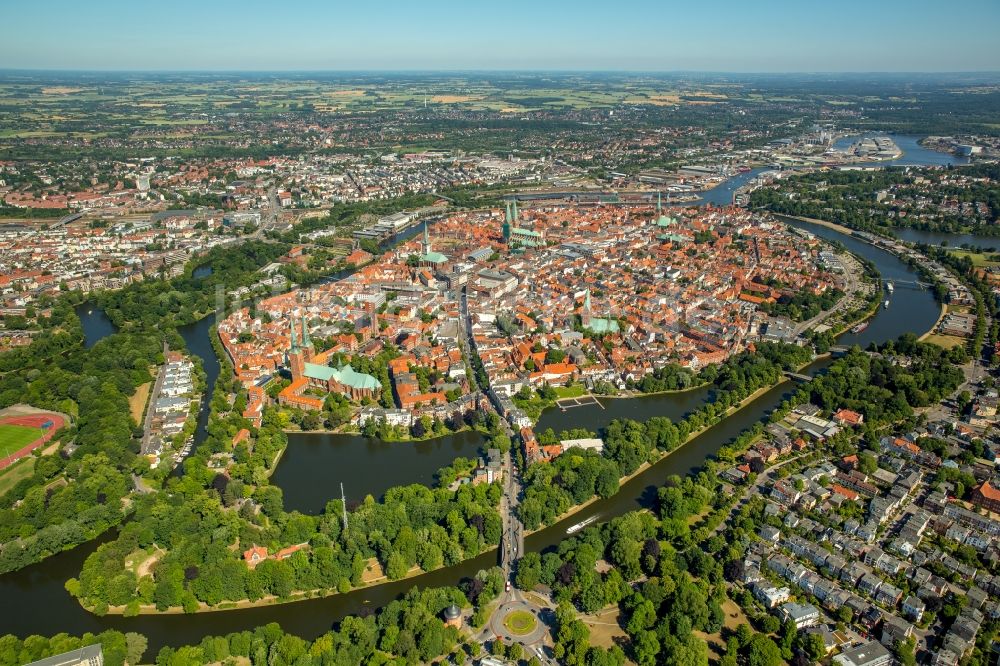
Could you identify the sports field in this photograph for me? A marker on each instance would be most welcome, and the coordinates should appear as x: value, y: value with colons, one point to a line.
x: 16, y: 437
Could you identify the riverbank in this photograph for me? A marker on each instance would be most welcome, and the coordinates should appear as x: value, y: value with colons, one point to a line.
x: 944, y: 311
x: 823, y: 223
x: 340, y: 430
x: 743, y: 404
x: 848, y: 231
x: 639, y: 394
x: 151, y: 610
x: 269, y: 600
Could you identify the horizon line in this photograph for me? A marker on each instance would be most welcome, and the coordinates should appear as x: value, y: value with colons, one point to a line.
x: 58, y: 70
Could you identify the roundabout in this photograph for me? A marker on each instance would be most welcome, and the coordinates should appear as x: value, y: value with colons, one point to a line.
x: 520, y: 622
x: 517, y: 621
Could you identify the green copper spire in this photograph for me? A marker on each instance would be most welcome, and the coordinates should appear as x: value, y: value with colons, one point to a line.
x: 306, y: 341
x: 586, y: 301
x: 515, y: 212
x: 295, y: 342
x: 427, y: 240
x: 506, y: 217
x: 658, y: 205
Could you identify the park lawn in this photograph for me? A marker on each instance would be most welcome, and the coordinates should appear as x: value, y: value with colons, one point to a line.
x: 979, y: 259
x: 605, y: 630
x: 574, y: 391
x: 14, y: 438
x: 22, y: 469
x: 946, y: 341
x: 734, y: 617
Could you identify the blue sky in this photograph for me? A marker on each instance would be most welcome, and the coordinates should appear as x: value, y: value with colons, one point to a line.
x: 647, y: 35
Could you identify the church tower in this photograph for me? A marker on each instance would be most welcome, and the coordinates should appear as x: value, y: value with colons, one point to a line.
x: 296, y: 361
x: 585, y: 316
x: 308, y: 350
x: 505, y: 228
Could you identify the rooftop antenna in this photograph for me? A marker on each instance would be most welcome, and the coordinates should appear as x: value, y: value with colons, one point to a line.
x: 343, y: 504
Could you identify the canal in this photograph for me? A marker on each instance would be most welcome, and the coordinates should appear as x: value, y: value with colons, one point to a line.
x: 36, y: 601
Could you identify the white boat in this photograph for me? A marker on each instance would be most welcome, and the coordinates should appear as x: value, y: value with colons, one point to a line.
x: 886, y: 304
x: 890, y: 286
x: 580, y: 525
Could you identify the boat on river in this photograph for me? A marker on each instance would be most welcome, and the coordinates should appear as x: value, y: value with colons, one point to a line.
x: 886, y: 304
x: 890, y: 286
x: 573, y: 529
x: 860, y: 327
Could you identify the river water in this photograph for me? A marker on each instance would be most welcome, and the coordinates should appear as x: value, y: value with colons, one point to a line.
x: 96, y: 324
x: 314, y: 465
x: 913, y: 155
x: 197, y: 338
x: 949, y: 239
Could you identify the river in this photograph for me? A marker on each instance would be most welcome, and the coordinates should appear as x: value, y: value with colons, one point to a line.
x: 37, y: 603
x: 951, y: 240
x: 314, y: 465
x: 913, y: 155
x: 197, y: 337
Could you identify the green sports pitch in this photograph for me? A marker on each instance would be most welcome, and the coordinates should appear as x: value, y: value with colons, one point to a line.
x: 15, y: 437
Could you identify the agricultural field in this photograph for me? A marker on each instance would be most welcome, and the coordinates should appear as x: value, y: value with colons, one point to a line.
x: 68, y: 116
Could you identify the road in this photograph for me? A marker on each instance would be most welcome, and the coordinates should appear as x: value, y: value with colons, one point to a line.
x: 147, y: 426
x: 754, y: 489
x: 537, y: 643
x: 512, y: 545
x: 512, y: 540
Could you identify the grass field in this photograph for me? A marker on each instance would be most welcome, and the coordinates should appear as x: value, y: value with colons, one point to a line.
x: 15, y: 437
x: 574, y: 391
x: 605, y: 630
x: 979, y: 259
x: 946, y: 341
x: 520, y: 623
x: 9, y: 477
x: 137, y: 401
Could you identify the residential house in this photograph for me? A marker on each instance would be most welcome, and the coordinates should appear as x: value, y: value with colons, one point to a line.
x: 872, y: 653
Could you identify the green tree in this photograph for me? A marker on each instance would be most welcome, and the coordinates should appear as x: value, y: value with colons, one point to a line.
x: 763, y: 652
